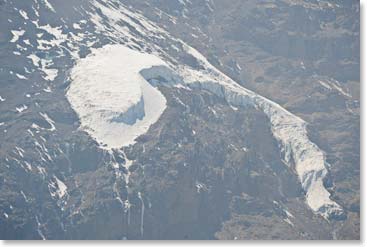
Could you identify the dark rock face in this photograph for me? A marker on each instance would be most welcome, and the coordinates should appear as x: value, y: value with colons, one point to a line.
x: 206, y: 169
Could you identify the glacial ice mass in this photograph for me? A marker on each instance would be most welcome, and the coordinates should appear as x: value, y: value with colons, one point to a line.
x: 290, y: 131
x: 114, y: 102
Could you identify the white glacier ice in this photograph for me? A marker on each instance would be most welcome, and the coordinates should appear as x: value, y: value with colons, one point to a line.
x: 114, y: 102
x: 290, y: 131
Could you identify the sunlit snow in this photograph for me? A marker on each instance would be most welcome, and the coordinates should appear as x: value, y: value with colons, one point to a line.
x: 106, y: 85
x: 16, y: 35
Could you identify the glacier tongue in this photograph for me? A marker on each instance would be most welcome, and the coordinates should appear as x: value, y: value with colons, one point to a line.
x: 290, y: 131
x: 114, y: 102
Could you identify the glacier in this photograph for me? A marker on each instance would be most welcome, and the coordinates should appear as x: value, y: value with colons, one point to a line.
x: 114, y: 102
x: 291, y: 131
x: 299, y: 152
x: 114, y: 92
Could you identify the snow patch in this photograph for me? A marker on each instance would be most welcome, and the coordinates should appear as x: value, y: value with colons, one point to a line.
x: 35, y: 59
x: 62, y: 187
x: 57, y: 188
x: 27, y: 42
x: 47, y: 90
x: 48, y: 5
x: 287, y: 220
x: 44, y: 66
x: 76, y: 26
x: 20, y: 151
x: 331, y: 84
x: 16, y: 35
x: 22, y: 77
x: 49, y: 121
x: 21, y: 108
x: 24, y: 14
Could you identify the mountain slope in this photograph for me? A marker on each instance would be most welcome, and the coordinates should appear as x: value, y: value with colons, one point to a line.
x: 209, y: 152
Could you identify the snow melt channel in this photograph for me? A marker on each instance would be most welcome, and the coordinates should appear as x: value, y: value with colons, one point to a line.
x: 114, y: 102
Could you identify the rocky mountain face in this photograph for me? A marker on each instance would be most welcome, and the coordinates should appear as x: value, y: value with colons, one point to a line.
x: 219, y: 161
